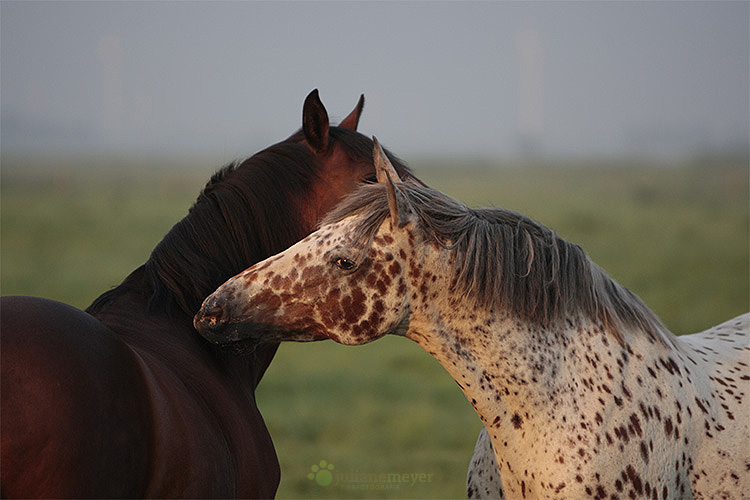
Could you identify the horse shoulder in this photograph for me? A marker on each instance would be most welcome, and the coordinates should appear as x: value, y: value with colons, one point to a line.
x: 72, y: 425
x: 209, y: 439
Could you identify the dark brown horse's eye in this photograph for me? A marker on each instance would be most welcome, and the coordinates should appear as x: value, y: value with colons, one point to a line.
x: 371, y: 180
x: 345, y: 264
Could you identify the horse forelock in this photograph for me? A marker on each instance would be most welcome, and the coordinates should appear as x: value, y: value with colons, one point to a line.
x: 506, y: 261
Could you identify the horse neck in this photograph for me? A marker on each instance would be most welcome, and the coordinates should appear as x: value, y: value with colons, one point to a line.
x: 168, y: 335
x: 526, y: 380
x: 198, y: 254
x: 532, y: 360
x: 178, y: 291
x: 170, y: 341
x: 504, y: 364
x: 501, y: 364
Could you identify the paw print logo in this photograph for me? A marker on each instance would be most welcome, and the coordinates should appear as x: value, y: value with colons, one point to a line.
x: 321, y: 473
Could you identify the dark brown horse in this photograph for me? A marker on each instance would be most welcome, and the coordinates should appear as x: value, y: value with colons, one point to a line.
x: 126, y: 399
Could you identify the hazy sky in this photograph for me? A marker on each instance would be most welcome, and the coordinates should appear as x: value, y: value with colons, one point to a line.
x: 440, y: 78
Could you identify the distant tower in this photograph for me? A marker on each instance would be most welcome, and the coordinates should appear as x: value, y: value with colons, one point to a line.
x: 530, y: 55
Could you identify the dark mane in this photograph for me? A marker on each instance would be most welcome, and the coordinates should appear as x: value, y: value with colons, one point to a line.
x: 246, y: 212
x: 507, y: 261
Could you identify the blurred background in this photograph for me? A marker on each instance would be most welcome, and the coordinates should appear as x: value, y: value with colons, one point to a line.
x: 625, y: 126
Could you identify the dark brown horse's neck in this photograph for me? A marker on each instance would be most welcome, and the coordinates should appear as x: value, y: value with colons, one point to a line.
x: 239, y: 219
x: 168, y: 335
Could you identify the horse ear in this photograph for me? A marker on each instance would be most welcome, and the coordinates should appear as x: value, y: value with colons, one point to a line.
x: 352, y: 120
x: 382, y: 164
x: 315, y: 122
x: 397, y: 203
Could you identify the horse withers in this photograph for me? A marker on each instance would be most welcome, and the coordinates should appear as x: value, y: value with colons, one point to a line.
x: 582, y: 391
x: 126, y: 400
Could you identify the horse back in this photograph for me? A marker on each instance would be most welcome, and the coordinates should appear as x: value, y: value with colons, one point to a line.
x: 74, y: 422
x: 719, y: 364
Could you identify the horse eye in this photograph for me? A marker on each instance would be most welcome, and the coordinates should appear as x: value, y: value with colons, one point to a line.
x: 345, y: 264
x: 371, y: 180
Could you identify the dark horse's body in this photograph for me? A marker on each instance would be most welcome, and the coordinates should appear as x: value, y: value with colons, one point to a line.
x: 126, y: 399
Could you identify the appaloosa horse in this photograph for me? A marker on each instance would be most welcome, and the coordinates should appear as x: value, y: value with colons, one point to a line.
x: 125, y: 399
x: 582, y: 390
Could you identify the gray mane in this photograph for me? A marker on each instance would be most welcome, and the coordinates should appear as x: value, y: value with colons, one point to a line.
x: 506, y: 261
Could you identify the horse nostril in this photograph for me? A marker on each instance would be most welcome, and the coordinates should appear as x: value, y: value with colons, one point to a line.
x: 209, y: 318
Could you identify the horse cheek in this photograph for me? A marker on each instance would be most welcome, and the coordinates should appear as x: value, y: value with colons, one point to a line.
x: 330, y: 310
x: 262, y: 308
x: 300, y: 317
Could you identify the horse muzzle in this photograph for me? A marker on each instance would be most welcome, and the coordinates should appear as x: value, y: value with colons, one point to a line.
x: 214, y: 323
x: 220, y: 324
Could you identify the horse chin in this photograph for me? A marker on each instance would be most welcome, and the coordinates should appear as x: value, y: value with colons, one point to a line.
x: 241, y: 347
x: 245, y: 337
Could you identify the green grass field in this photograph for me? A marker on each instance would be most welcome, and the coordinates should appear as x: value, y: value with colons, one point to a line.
x: 386, y: 416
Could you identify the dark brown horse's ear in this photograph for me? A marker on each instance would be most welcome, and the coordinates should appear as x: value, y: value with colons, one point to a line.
x: 352, y: 120
x: 315, y: 122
